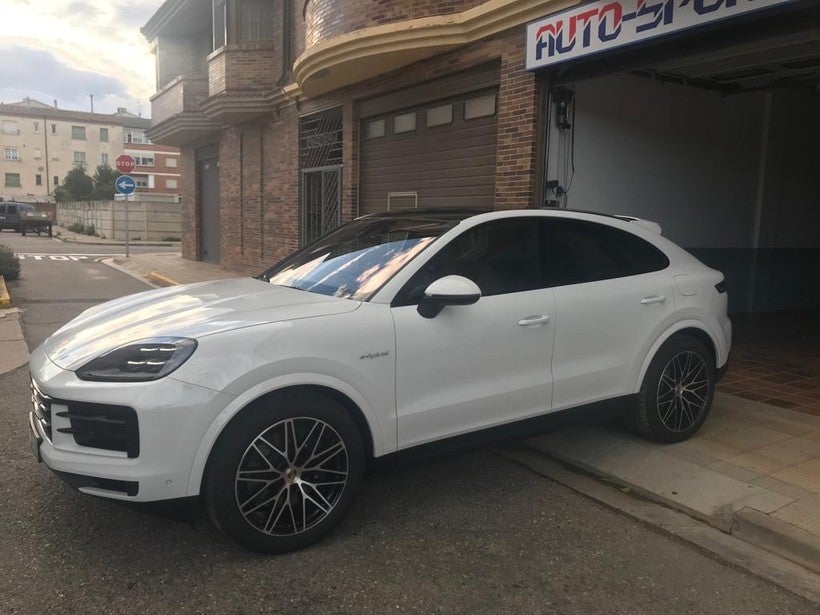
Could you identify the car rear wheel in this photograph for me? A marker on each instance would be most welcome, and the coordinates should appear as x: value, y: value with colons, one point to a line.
x: 677, y: 391
x: 285, y: 472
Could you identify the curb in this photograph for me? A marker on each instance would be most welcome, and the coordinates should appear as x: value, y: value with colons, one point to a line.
x: 5, y: 299
x: 777, y: 536
x: 749, y: 525
x: 160, y: 279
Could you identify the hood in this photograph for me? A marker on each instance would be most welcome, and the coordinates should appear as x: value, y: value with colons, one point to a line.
x: 192, y: 310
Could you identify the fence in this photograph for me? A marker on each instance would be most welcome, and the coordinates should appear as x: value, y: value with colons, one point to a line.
x: 147, y: 220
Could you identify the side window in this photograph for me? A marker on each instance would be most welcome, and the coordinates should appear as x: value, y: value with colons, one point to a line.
x: 581, y: 251
x: 503, y: 256
x: 12, y: 209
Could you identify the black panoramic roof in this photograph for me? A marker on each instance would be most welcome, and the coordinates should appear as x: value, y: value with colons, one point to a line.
x: 444, y: 213
x: 454, y: 213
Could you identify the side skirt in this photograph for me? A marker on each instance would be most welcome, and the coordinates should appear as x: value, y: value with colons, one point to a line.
x: 494, y: 436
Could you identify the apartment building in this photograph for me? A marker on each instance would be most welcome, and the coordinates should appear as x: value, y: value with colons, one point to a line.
x: 296, y: 116
x: 41, y: 143
x: 157, y: 167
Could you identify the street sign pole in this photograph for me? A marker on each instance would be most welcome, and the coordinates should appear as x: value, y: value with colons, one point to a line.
x: 127, y: 223
x: 126, y: 185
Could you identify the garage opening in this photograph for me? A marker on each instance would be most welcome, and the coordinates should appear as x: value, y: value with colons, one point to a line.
x: 716, y: 136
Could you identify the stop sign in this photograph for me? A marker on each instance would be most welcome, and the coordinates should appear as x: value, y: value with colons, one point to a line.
x: 125, y: 164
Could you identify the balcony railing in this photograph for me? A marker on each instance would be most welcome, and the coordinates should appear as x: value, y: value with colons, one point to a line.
x: 325, y: 19
x: 176, y: 112
x: 182, y: 95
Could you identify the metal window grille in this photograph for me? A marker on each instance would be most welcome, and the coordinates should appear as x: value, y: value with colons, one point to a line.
x: 320, y: 160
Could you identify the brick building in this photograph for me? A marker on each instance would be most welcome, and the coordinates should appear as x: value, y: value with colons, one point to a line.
x: 294, y: 116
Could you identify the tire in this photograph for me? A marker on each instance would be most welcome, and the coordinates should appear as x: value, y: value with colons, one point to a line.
x: 297, y: 504
x: 676, y: 393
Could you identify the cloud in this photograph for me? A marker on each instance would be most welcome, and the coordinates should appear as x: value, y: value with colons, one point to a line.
x: 68, y: 50
x: 61, y: 81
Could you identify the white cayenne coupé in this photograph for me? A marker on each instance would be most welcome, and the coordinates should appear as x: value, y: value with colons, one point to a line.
x: 268, y: 396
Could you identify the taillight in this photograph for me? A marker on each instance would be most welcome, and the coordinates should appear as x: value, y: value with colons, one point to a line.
x: 721, y: 286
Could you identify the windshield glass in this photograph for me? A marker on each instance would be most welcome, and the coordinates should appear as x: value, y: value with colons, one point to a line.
x: 356, y: 260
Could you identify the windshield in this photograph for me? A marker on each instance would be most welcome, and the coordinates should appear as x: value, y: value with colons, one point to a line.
x: 356, y: 260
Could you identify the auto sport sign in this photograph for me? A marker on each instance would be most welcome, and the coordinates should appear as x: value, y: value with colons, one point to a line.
x: 607, y: 24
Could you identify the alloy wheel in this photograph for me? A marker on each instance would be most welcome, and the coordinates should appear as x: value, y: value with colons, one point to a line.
x: 291, y: 476
x: 683, y: 391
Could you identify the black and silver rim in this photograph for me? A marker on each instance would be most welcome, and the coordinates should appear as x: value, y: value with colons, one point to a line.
x: 292, y: 476
x: 683, y: 391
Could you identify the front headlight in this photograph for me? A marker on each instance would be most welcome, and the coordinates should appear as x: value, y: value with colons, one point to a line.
x: 141, y: 361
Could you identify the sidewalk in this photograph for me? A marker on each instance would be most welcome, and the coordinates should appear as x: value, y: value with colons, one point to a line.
x: 168, y: 269
x: 13, y: 348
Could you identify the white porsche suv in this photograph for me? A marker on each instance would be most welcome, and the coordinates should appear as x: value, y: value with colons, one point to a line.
x: 267, y: 396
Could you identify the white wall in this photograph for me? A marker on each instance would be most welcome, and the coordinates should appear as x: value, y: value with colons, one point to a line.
x: 687, y: 158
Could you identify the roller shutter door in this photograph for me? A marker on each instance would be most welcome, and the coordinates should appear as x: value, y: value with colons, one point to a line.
x: 436, y: 155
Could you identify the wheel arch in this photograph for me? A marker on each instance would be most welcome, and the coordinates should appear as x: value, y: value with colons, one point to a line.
x: 691, y: 328
x: 348, y: 399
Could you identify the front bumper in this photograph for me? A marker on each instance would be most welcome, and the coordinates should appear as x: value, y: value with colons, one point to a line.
x: 173, y: 417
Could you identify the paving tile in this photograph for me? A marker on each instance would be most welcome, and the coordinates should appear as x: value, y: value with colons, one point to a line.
x: 805, y: 474
x: 740, y: 473
x: 804, y: 513
x: 778, y: 486
x: 776, y: 457
x: 751, y: 395
x: 748, y: 438
x: 703, y: 451
x: 781, y: 403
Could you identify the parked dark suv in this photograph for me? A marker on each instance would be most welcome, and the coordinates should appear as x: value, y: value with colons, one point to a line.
x: 11, y: 215
x: 24, y: 218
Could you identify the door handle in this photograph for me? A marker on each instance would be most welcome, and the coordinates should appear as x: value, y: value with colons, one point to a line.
x: 533, y: 321
x: 653, y: 299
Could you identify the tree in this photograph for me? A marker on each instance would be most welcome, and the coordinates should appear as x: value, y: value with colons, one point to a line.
x: 104, y: 180
x: 78, y: 186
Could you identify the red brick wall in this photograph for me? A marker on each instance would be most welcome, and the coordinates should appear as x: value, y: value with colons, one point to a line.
x: 519, y: 98
x: 189, y: 197
x: 328, y: 18
x: 244, y: 66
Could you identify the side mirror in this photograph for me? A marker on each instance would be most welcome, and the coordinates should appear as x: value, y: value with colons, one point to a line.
x: 449, y: 290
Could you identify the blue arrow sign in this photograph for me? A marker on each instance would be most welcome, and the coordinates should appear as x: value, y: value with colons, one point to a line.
x: 126, y: 184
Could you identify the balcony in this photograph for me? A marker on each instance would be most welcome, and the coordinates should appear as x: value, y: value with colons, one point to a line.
x: 176, y: 111
x: 242, y: 82
x: 326, y: 19
x: 347, y: 42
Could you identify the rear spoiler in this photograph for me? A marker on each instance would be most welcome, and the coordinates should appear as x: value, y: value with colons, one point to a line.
x: 647, y: 224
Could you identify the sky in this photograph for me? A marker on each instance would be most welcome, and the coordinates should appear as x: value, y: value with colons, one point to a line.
x: 70, y: 49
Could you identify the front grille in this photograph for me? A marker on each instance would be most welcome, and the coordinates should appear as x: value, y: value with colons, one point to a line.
x: 113, y: 428
x: 104, y: 426
x: 42, y: 409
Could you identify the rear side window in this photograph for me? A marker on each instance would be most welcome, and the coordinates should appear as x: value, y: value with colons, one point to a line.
x: 581, y: 251
x: 12, y: 209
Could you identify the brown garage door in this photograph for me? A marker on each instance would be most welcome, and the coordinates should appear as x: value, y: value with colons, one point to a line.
x: 438, y: 155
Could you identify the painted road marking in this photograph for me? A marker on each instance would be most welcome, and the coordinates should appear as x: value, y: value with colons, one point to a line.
x: 63, y: 257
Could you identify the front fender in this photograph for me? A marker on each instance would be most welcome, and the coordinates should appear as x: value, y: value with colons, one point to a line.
x: 384, y: 441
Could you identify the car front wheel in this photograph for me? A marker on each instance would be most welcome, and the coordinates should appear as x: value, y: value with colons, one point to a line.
x: 285, y: 472
x: 677, y: 391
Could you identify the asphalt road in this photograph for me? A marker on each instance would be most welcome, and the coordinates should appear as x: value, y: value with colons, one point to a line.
x: 471, y: 533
